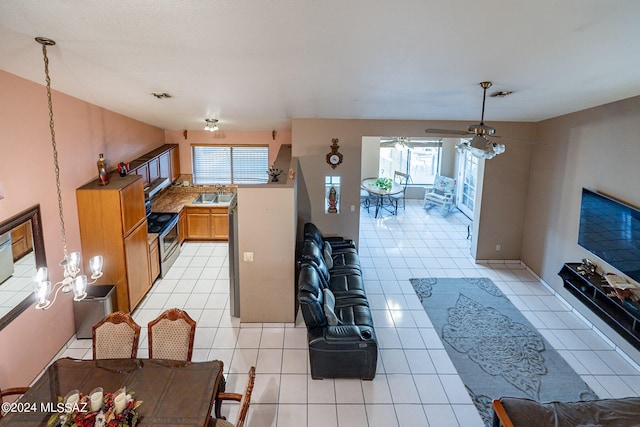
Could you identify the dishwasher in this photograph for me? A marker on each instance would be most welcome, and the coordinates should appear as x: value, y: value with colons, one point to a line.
x: 6, y: 257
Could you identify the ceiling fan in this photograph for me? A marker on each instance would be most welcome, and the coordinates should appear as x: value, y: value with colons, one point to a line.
x: 480, y: 144
x: 402, y: 142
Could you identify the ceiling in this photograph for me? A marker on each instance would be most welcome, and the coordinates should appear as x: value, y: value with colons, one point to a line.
x: 257, y: 64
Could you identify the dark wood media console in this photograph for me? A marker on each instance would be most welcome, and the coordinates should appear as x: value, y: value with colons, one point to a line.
x: 623, y: 318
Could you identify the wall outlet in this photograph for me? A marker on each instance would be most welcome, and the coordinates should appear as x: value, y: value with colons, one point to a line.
x: 498, y: 248
x: 248, y: 256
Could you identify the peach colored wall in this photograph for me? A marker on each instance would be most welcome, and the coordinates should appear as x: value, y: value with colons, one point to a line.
x: 83, y: 131
x: 226, y: 137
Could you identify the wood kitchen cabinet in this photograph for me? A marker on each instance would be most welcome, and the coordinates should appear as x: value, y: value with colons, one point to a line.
x: 143, y: 171
x: 174, y: 154
x: 207, y: 223
x: 21, y: 240
x: 154, y: 169
x: 113, y: 224
x: 162, y: 162
x: 154, y: 257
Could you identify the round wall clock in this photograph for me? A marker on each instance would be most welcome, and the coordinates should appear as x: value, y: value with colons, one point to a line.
x: 334, y: 158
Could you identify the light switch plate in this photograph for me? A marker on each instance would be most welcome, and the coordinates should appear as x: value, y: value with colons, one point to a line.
x: 1, y: 192
x: 248, y: 256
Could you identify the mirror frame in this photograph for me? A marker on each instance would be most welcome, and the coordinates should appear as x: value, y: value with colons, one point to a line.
x: 34, y: 215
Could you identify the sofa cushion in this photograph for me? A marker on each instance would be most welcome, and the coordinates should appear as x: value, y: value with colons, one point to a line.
x: 326, y: 251
x: 310, y: 298
x: 329, y: 306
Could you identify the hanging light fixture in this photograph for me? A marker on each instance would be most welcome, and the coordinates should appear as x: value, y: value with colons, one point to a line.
x: 481, y: 147
x: 211, y: 125
x: 73, y: 280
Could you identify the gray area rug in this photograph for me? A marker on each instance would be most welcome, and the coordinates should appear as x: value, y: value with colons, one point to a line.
x: 494, y: 348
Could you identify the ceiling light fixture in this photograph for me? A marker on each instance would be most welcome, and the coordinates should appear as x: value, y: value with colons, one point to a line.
x: 211, y: 125
x: 73, y: 280
x: 481, y: 147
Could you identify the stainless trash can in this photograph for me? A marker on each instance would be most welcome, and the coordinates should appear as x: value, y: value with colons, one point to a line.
x: 100, y: 301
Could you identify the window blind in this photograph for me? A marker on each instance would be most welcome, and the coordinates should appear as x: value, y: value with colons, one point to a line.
x: 229, y: 164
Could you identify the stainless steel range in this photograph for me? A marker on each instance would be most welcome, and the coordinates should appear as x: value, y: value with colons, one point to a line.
x: 165, y: 224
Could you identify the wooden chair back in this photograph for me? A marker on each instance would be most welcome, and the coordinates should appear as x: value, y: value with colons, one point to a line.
x: 244, y: 399
x: 116, y: 337
x: 171, y: 335
x: 11, y: 392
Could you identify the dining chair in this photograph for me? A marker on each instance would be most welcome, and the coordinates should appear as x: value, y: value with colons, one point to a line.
x: 116, y: 337
x: 244, y: 399
x: 403, y: 180
x: 10, y: 392
x: 171, y: 335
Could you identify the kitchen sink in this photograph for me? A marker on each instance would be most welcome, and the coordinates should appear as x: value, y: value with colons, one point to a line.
x: 206, y: 198
x: 213, y: 198
x: 225, y: 197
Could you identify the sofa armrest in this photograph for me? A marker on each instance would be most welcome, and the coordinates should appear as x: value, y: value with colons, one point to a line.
x: 340, y: 242
x: 348, y: 333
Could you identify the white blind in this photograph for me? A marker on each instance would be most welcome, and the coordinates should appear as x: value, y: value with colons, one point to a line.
x: 229, y: 164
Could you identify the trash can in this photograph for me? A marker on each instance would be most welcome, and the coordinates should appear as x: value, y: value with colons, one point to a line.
x: 100, y: 301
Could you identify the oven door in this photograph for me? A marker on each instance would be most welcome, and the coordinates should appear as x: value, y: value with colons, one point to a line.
x: 169, y: 243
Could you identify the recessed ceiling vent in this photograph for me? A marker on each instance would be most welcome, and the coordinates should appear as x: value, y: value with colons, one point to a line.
x: 501, y: 93
x: 161, y: 95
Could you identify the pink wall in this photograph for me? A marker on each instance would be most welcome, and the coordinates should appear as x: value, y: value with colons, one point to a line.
x: 226, y: 137
x: 83, y: 131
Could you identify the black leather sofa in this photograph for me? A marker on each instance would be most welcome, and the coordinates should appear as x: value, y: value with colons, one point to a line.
x: 342, y: 341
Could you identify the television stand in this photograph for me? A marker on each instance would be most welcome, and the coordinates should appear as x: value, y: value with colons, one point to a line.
x: 588, y: 288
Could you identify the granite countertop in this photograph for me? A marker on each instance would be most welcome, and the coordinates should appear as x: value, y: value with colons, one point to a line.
x: 174, y: 198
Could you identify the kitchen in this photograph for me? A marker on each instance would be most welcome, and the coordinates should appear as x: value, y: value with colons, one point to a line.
x: 164, y: 209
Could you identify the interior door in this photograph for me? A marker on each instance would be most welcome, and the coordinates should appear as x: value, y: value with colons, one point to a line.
x: 467, y: 182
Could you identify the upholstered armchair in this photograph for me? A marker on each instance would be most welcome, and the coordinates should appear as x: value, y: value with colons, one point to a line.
x: 442, y: 194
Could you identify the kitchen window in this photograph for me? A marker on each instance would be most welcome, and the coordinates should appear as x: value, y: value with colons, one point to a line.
x: 230, y: 164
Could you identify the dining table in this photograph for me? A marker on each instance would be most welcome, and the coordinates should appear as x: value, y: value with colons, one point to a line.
x: 381, y: 195
x: 173, y: 393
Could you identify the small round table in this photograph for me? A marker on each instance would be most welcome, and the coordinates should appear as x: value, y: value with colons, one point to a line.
x: 369, y: 184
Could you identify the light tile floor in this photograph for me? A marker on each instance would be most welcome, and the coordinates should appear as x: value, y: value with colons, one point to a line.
x: 416, y: 384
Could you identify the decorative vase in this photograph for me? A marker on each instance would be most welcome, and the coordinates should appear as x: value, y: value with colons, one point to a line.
x: 103, y: 175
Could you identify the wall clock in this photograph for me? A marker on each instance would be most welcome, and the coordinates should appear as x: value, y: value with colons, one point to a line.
x: 334, y: 158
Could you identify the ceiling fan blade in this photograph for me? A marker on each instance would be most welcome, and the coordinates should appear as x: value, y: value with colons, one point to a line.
x: 517, y: 139
x: 448, y: 131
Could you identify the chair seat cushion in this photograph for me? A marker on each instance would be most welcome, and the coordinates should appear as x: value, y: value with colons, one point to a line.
x: 217, y: 422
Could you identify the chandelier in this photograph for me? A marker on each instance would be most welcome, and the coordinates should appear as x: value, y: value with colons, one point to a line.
x: 73, y: 280
x: 481, y: 147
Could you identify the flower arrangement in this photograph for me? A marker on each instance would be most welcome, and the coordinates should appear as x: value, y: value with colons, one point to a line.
x: 274, y: 173
x: 114, y: 410
x: 384, y: 183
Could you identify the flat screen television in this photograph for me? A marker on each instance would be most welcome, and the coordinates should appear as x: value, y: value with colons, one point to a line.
x: 610, y: 230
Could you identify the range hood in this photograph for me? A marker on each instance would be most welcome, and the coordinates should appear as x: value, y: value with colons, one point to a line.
x: 156, y: 186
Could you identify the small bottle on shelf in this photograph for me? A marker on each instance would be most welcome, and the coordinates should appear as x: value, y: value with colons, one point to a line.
x: 103, y: 175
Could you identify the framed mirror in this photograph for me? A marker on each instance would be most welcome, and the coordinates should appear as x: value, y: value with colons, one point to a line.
x: 21, y: 253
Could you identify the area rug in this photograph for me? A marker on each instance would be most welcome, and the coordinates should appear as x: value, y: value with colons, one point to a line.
x: 494, y: 348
